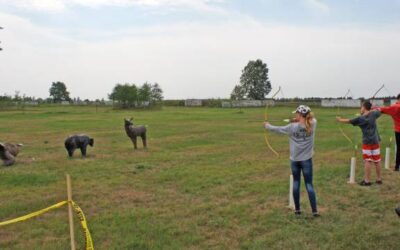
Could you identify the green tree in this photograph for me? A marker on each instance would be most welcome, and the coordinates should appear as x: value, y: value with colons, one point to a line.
x: 131, y: 92
x: 254, y: 81
x: 238, y: 93
x: 58, y: 92
x: 125, y: 94
x: 144, y: 93
x: 130, y: 96
x: 156, y: 93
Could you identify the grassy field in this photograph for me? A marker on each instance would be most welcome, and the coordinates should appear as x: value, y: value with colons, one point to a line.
x: 207, y: 181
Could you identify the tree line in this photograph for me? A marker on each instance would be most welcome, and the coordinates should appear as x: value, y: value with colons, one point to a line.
x: 254, y: 84
x: 122, y: 95
x: 131, y: 96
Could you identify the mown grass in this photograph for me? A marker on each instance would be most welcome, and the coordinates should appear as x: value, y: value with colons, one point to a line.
x: 207, y: 181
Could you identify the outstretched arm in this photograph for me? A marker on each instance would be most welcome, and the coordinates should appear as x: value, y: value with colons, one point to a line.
x: 391, y: 110
x: 277, y: 129
x: 342, y: 120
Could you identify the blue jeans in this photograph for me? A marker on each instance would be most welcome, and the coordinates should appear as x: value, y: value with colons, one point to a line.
x: 306, y: 168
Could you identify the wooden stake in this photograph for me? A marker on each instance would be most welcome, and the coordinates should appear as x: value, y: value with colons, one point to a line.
x: 70, y: 214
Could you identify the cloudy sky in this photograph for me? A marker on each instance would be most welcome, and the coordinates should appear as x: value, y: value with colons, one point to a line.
x: 197, y: 48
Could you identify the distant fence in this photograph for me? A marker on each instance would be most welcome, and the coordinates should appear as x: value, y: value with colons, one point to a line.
x: 347, y: 103
x: 247, y: 103
x: 12, y: 105
x: 174, y: 103
x: 83, y: 103
x: 4, y: 106
x: 226, y: 103
x: 212, y: 103
x: 31, y: 103
x: 193, y: 103
x: 297, y: 102
x: 378, y: 103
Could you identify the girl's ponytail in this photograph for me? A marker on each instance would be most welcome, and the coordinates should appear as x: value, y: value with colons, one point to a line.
x: 309, y: 118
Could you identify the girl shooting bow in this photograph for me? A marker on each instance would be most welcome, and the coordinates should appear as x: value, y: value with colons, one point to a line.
x: 301, y: 133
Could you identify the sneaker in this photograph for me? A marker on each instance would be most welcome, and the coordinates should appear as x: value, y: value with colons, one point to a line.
x: 379, y: 182
x: 316, y: 214
x: 297, y: 212
x: 397, y: 211
x: 364, y: 183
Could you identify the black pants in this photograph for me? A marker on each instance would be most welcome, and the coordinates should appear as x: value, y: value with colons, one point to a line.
x: 398, y: 152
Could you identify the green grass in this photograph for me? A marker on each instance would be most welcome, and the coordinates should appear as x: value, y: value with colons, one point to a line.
x: 207, y: 181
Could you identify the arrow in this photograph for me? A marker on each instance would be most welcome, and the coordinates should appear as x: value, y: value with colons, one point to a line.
x: 284, y: 120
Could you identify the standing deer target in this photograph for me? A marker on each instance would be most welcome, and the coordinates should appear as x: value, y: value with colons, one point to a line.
x: 135, y: 131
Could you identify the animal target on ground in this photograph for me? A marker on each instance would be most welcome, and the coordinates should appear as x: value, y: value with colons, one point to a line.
x: 74, y: 142
x: 8, y: 153
x: 135, y: 131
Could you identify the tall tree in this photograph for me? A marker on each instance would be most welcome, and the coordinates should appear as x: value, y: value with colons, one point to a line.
x: 58, y: 92
x: 156, y: 93
x: 144, y: 93
x: 125, y: 94
x: 131, y: 93
x: 238, y: 93
x: 114, y: 94
x: 254, y: 81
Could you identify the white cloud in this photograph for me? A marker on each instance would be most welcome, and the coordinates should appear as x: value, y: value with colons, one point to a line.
x: 318, y: 5
x: 200, y: 60
x: 37, y: 5
x: 60, y: 5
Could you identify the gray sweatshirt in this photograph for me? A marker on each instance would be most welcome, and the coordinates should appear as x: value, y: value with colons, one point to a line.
x: 301, y: 144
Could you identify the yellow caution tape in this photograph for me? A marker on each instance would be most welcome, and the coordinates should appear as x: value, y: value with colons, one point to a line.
x: 85, y: 228
x: 78, y: 211
x: 34, y: 214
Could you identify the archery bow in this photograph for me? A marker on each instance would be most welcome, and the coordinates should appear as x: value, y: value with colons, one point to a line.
x: 341, y: 129
x: 379, y: 90
x: 373, y: 97
x: 266, y: 119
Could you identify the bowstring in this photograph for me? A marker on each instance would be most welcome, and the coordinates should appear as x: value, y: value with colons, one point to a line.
x: 354, y: 145
x: 266, y: 119
x: 379, y: 90
x: 389, y: 94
